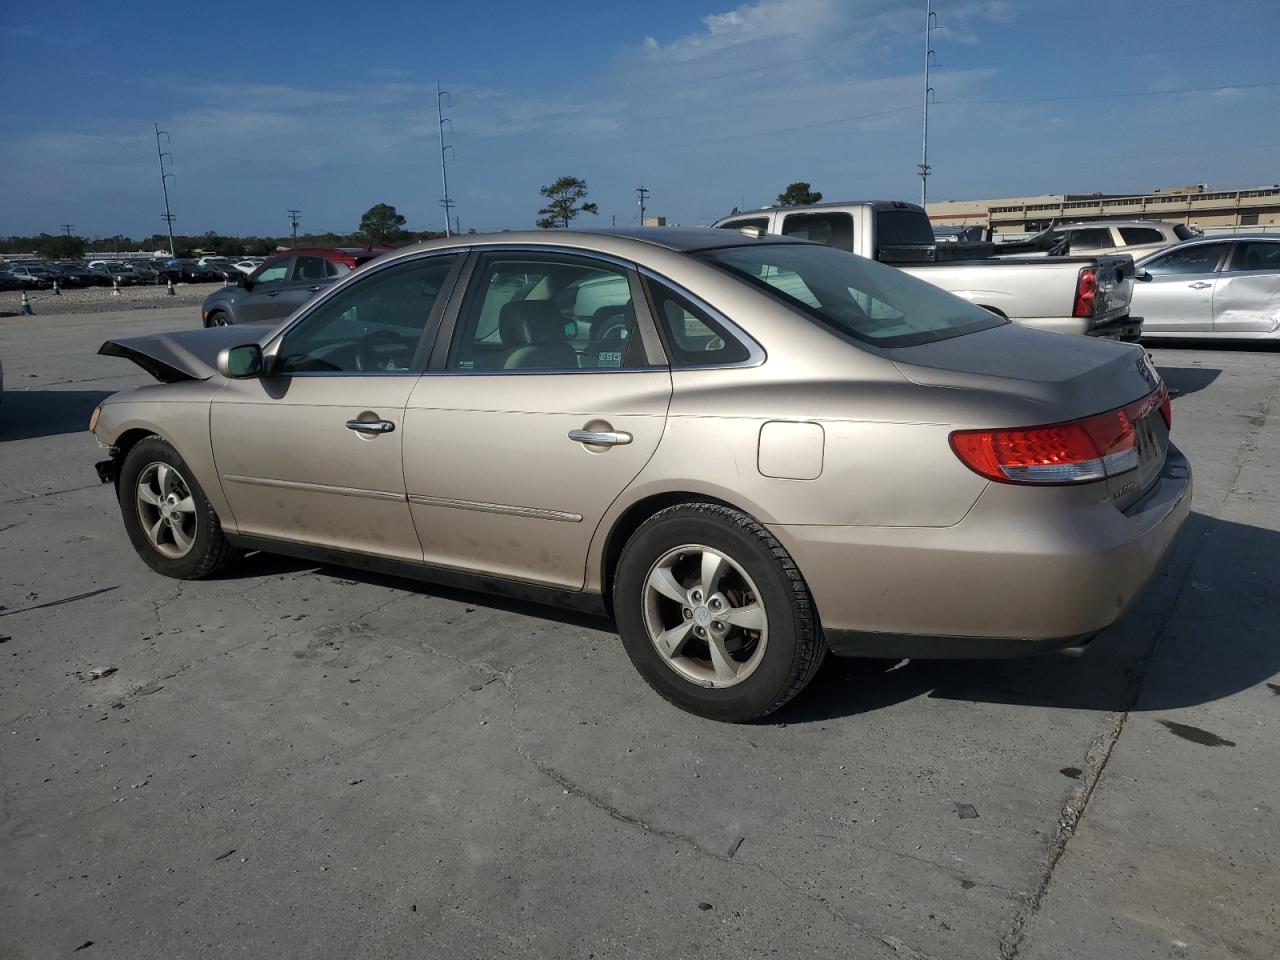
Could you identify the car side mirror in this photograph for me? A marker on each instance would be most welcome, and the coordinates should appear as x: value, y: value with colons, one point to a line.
x: 240, y: 363
x: 753, y: 232
x: 1142, y: 276
x: 243, y: 281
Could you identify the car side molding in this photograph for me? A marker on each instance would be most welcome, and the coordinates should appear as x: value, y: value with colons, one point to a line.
x: 579, y: 601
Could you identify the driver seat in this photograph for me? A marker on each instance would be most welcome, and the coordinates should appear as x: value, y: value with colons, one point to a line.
x: 535, y: 332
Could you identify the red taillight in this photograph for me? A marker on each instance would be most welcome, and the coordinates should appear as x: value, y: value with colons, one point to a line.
x: 1086, y: 293
x: 1080, y: 451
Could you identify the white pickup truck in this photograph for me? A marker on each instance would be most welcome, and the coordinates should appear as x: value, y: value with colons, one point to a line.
x: 1087, y: 295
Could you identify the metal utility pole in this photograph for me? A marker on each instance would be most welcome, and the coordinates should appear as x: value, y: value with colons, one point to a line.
x: 441, y: 120
x: 168, y: 217
x: 294, y: 217
x: 930, y: 24
x: 643, y: 194
x: 67, y: 228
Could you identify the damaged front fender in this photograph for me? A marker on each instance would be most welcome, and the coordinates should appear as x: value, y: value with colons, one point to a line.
x: 185, y: 354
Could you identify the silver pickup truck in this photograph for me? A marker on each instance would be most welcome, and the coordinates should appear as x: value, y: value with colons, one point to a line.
x: 1080, y: 294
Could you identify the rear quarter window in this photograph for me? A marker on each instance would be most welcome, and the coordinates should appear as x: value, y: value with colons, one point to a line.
x: 853, y: 296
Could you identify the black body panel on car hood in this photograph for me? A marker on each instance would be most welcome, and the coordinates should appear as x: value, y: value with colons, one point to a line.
x: 186, y: 354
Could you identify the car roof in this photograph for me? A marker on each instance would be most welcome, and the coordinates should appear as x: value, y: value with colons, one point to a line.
x: 1212, y: 238
x: 828, y: 205
x: 1113, y: 223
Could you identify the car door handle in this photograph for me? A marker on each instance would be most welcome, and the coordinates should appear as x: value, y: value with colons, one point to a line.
x: 371, y: 426
x: 313, y: 289
x: 603, y: 438
x: 274, y: 293
x: 1199, y: 285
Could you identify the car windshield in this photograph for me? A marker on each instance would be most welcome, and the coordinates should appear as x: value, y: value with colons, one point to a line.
x: 852, y: 295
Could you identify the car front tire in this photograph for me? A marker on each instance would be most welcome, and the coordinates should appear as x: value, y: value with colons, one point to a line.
x: 714, y: 614
x: 170, y: 521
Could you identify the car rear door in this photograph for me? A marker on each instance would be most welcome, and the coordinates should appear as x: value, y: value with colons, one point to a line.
x: 1246, y: 298
x: 1179, y: 296
x: 535, y: 414
x: 310, y: 452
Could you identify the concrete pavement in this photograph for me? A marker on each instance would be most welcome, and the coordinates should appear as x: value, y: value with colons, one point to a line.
x: 295, y: 760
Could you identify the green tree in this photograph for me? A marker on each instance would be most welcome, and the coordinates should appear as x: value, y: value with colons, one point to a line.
x: 798, y: 194
x: 381, y: 224
x: 59, y: 247
x: 564, y: 203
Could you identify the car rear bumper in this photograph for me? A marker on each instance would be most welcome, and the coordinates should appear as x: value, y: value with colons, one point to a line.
x: 1123, y: 327
x: 1029, y: 569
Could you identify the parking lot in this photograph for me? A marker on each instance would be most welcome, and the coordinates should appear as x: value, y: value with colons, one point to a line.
x: 295, y: 760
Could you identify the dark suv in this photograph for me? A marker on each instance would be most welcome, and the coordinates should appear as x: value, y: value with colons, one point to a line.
x: 282, y: 284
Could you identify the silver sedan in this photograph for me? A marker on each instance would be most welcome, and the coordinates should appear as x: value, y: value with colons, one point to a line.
x: 1225, y: 287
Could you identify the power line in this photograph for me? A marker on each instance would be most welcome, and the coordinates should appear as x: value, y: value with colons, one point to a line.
x: 67, y: 228
x: 1143, y: 93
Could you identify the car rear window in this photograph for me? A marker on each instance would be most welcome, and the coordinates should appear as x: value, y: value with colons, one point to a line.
x: 853, y: 296
x: 1136, y: 235
x: 1183, y: 232
x: 894, y: 227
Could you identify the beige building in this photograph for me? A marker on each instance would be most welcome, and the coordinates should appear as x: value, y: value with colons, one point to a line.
x: 1196, y: 206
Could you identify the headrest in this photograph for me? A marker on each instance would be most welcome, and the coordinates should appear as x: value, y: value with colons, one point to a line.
x: 530, y: 321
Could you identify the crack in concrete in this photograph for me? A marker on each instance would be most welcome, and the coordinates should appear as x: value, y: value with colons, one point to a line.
x: 671, y: 836
x: 58, y: 603
x: 29, y: 495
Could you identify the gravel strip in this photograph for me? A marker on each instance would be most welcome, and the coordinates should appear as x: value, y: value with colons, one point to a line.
x: 100, y: 299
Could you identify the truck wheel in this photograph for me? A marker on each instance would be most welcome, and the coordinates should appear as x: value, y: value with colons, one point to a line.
x: 714, y: 613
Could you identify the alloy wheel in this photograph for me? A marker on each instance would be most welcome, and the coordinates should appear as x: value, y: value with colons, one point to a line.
x: 167, y: 510
x: 704, y: 616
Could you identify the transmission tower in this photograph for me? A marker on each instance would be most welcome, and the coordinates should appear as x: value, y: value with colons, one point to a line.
x: 168, y: 217
x: 930, y: 24
x: 441, y: 120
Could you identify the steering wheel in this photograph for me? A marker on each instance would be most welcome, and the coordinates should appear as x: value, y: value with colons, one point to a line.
x: 615, y: 328
x: 383, y: 350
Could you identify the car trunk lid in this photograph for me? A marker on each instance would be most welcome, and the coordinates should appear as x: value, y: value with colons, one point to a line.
x: 1058, y: 378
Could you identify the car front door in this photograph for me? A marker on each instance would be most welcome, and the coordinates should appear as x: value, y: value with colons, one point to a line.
x: 1179, y: 296
x: 310, y: 452
x: 543, y: 404
x: 257, y: 302
x: 1247, y: 296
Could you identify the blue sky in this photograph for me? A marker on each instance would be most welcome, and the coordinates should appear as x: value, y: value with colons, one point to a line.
x: 329, y: 107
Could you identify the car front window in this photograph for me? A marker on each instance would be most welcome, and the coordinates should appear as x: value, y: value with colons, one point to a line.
x: 272, y: 274
x: 1197, y: 258
x: 374, y: 325
x: 852, y: 295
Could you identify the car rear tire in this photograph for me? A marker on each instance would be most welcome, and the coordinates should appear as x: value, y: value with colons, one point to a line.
x: 218, y: 319
x: 714, y: 613
x: 169, y: 520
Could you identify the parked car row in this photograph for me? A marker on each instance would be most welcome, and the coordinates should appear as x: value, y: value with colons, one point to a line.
x: 42, y: 274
